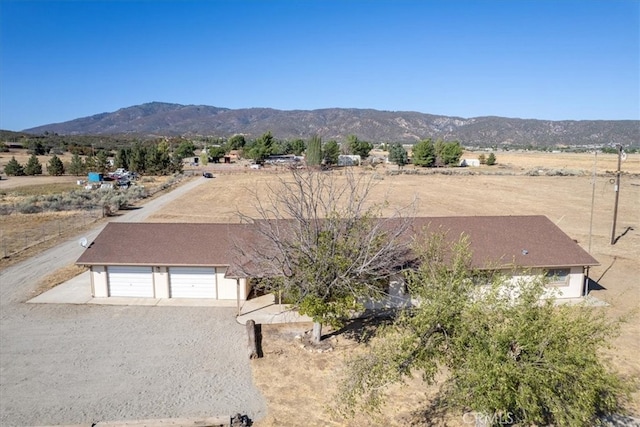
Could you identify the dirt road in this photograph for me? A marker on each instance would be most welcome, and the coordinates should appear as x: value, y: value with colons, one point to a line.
x: 72, y: 364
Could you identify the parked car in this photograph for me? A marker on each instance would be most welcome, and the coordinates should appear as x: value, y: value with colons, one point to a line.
x: 207, y: 174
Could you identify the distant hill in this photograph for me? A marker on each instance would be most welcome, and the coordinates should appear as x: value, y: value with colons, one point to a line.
x: 163, y: 119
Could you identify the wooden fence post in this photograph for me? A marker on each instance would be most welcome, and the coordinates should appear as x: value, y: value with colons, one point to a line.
x: 253, y: 344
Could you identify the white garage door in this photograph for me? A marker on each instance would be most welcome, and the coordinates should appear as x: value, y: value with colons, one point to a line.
x: 130, y: 281
x: 192, y: 282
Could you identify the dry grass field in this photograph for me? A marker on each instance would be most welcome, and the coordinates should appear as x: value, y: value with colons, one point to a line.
x: 299, y: 385
x: 23, y: 234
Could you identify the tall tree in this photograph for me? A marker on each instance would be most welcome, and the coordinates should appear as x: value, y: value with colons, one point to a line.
x: 262, y: 147
x: 121, y: 160
x: 175, y: 164
x: 152, y: 160
x: 13, y: 167
x: 331, y: 153
x: 424, y: 153
x: 102, y: 162
x: 76, y: 166
x: 448, y: 153
x: 297, y: 147
x: 90, y: 163
x: 510, y: 356
x: 325, y: 243
x: 236, y: 142
x: 398, y: 155
x: 33, y: 167
x: 358, y: 147
x: 35, y: 147
x: 185, y: 149
x: 137, y: 158
x: 314, y: 151
x: 55, y: 166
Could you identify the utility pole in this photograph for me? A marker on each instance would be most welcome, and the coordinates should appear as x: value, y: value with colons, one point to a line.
x: 593, y: 196
x: 617, y: 190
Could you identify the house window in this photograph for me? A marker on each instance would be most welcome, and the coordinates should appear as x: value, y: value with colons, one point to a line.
x: 558, y: 276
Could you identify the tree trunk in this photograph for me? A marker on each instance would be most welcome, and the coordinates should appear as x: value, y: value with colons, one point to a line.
x: 253, y: 344
x: 316, y: 334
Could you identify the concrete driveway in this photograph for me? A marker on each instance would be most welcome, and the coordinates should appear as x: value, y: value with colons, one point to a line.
x: 86, y: 363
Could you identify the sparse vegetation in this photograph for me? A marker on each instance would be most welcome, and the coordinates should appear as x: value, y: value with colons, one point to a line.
x: 512, y: 356
x: 491, y: 159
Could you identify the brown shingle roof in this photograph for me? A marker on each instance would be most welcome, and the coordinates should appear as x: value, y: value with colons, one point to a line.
x: 524, y: 241
x: 162, y: 244
x: 512, y: 241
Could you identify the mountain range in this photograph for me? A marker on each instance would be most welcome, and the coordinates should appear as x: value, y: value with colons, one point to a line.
x: 165, y: 119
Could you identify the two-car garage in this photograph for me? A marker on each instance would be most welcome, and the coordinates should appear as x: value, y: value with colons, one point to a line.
x: 168, y: 261
x: 184, y: 282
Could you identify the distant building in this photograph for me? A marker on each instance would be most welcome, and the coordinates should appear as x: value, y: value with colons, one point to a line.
x: 470, y: 162
x: 349, y: 160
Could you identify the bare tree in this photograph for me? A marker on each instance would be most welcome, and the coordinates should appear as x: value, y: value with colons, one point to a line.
x: 324, y: 243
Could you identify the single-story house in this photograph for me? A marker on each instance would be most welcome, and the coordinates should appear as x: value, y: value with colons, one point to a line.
x: 185, y: 260
x: 191, y: 161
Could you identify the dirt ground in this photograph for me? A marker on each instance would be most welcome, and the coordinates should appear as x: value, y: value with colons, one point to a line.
x: 85, y: 364
x: 22, y: 234
x: 299, y: 385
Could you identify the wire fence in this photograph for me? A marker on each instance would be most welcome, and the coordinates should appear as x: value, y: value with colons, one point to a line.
x: 20, y: 232
x: 35, y: 220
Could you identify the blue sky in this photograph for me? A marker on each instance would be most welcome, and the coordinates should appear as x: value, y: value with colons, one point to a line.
x: 543, y: 59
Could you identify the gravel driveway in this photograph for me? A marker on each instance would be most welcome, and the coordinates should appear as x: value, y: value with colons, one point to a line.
x: 79, y: 364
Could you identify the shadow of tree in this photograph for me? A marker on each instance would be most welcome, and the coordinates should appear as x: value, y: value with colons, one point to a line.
x: 435, y: 413
x: 626, y: 230
x: 363, y: 328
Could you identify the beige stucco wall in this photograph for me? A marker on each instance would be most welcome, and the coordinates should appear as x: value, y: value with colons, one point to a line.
x: 227, y: 289
x: 396, y: 297
x: 572, y: 287
x: 161, y: 282
x: 99, y: 287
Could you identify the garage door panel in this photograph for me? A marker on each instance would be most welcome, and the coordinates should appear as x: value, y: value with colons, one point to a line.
x: 130, y: 281
x: 192, y: 282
